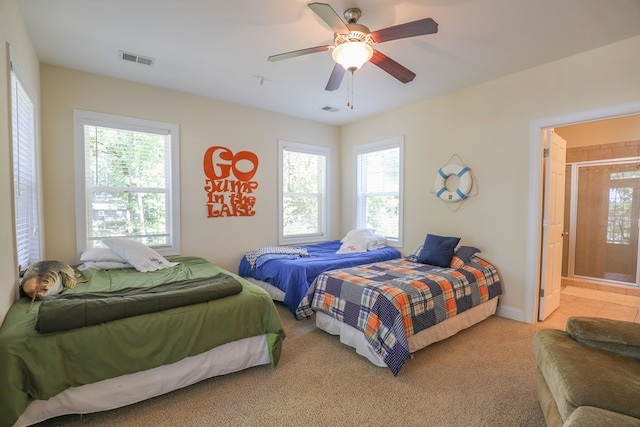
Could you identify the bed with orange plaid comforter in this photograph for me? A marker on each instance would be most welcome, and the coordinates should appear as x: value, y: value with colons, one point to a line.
x: 391, y: 300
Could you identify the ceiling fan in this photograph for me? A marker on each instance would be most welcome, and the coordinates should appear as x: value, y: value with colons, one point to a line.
x: 352, y: 44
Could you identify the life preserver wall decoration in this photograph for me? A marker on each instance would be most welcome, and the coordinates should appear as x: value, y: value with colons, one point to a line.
x: 460, y: 193
x: 465, y: 187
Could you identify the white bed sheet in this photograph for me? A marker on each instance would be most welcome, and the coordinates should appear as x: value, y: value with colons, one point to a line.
x: 132, y: 388
x: 274, y: 292
x: 449, y: 327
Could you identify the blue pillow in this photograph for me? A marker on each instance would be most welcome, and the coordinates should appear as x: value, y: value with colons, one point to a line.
x: 466, y: 252
x: 438, y: 250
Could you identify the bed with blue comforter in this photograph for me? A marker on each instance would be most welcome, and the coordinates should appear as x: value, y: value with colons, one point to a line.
x: 293, y: 271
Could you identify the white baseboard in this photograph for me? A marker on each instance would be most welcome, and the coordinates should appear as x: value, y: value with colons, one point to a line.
x: 511, y: 313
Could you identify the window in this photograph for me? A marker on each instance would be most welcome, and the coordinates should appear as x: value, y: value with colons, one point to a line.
x: 620, y: 217
x: 379, y: 188
x: 130, y: 187
x: 25, y: 177
x: 303, y: 198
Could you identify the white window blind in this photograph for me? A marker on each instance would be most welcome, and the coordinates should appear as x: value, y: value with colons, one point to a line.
x: 25, y: 178
x: 379, y: 188
x: 130, y: 182
x: 303, y: 193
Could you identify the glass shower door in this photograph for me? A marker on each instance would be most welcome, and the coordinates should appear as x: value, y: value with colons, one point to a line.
x: 606, y: 234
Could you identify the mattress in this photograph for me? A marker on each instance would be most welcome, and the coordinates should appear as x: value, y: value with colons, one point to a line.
x: 132, y: 388
x: 37, y: 367
x: 293, y: 275
x: 443, y: 330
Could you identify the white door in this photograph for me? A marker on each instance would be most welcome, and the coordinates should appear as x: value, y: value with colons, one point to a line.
x: 552, y: 223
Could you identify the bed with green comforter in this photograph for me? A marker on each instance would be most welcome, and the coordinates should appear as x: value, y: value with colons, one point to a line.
x: 37, y: 366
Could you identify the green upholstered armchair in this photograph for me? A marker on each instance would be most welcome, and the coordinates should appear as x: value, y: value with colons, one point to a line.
x: 590, y: 374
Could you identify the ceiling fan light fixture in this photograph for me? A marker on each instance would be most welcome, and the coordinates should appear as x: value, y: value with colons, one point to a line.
x: 352, y: 55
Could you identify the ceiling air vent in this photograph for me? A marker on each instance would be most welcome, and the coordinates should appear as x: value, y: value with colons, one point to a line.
x: 132, y: 57
x: 330, y: 109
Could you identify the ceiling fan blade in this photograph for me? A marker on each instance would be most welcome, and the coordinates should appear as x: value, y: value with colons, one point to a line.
x: 336, y: 77
x: 293, y: 54
x: 328, y: 15
x: 410, y: 29
x: 392, y: 67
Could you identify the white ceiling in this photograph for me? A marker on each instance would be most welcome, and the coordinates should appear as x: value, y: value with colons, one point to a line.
x: 219, y: 49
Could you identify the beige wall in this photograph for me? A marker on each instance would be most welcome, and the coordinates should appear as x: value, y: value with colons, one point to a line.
x: 203, y: 123
x: 12, y: 33
x: 489, y: 127
x: 613, y: 150
x: 600, y: 132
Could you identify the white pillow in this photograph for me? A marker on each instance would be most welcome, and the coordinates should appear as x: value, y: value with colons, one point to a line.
x: 100, y: 255
x: 142, y: 257
x: 376, y: 241
x: 355, y: 241
x: 104, y: 265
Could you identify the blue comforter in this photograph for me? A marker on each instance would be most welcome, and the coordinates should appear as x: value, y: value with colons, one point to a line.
x: 294, y: 275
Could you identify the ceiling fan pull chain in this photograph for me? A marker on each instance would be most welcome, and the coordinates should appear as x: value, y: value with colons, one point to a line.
x: 352, y: 84
x: 349, y: 90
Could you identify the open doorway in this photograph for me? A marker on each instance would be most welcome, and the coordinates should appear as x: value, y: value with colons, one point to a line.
x: 600, y: 221
x: 537, y: 265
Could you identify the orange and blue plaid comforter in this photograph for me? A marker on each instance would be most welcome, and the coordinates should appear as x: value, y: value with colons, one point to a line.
x: 391, y: 300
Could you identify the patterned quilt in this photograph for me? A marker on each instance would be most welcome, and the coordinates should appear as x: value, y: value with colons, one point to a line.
x: 391, y: 300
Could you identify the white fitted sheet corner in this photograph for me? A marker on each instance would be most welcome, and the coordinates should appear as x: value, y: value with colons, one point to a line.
x: 132, y: 388
x: 449, y: 327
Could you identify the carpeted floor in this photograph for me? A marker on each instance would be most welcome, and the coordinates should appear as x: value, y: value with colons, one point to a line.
x: 483, y: 376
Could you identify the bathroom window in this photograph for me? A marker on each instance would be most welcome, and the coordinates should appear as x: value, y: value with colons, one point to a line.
x: 621, y: 207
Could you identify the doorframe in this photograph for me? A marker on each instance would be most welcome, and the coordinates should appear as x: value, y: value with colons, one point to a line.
x: 534, y: 265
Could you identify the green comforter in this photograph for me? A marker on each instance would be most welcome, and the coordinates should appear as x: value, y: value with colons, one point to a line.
x: 70, y: 311
x: 38, y: 366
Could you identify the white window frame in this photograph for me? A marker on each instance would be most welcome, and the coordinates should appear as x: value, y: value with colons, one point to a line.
x: 359, y: 220
x: 82, y: 118
x: 25, y: 167
x: 324, y: 221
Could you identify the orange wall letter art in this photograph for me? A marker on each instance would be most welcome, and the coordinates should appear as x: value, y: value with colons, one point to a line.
x: 228, y: 185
